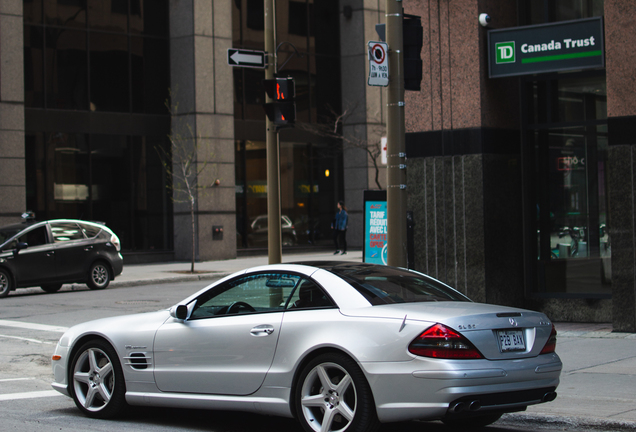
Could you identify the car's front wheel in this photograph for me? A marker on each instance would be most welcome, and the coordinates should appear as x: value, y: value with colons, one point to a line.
x: 97, y: 381
x: 53, y: 288
x: 98, y: 276
x: 5, y: 283
x: 332, y: 394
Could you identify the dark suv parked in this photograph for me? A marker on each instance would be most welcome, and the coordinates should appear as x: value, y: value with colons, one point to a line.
x: 51, y: 253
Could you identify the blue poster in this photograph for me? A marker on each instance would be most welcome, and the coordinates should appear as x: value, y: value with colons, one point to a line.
x: 375, y: 232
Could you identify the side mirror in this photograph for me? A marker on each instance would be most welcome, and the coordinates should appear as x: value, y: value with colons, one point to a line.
x: 19, y: 247
x: 181, y: 312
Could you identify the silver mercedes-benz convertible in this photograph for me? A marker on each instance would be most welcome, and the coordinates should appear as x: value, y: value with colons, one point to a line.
x: 337, y: 345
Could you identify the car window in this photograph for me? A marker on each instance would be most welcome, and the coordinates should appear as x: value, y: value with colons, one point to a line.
x: 382, y: 285
x: 35, y: 237
x: 265, y: 292
x: 7, y: 233
x: 309, y: 295
x: 90, y: 230
x: 66, y: 231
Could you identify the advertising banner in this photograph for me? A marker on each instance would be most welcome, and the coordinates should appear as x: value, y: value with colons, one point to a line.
x: 375, y: 227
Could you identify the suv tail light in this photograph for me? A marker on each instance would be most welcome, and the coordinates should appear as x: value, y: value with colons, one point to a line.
x: 115, y: 241
x: 440, y: 341
x: 550, y: 345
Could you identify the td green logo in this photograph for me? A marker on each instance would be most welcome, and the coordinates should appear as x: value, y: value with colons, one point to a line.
x: 505, y: 52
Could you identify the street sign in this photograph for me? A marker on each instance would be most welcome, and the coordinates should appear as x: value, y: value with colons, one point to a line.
x: 246, y: 58
x: 378, y: 63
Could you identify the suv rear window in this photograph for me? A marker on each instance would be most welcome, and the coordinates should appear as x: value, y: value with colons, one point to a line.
x: 385, y: 285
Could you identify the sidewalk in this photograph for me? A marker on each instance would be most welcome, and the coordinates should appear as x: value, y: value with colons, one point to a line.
x: 598, y: 382
x: 141, y: 274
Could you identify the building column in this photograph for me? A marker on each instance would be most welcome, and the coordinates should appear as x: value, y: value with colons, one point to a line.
x: 463, y: 156
x: 364, y: 106
x: 12, y: 168
x: 201, y: 86
x: 620, y: 61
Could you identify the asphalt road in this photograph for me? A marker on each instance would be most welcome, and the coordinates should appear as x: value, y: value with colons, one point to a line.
x: 31, y: 323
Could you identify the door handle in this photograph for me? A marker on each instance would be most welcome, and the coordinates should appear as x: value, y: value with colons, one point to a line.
x: 50, y: 254
x: 262, y: 330
x: 87, y: 248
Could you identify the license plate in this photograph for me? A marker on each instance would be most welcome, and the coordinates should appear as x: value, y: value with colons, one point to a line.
x: 511, y: 340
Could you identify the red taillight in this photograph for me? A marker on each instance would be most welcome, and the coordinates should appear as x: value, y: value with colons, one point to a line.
x: 440, y: 341
x: 550, y: 345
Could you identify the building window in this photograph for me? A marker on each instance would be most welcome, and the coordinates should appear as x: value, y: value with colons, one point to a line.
x: 115, y: 179
x: 567, y: 135
x: 545, y: 11
x: 96, y: 55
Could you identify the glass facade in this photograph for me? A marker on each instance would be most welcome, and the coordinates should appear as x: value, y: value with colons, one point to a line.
x: 97, y: 55
x: 565, y: 130
x: 114, y: 179
x: 90, y: 65
x: 309, y: 166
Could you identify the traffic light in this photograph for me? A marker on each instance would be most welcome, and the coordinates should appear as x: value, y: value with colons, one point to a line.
x: 282, y: 111
x: 412, y: 35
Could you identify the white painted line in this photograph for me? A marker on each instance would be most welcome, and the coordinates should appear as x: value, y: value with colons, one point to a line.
x: 29, y: 395
x: 16, y: 379
x: 33, y: 326
x: 28, y: 339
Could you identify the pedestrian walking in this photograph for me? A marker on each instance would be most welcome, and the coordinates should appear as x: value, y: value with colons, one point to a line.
x: 339, y: 227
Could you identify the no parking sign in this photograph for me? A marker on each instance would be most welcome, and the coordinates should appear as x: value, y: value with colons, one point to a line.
x: 378, y: 63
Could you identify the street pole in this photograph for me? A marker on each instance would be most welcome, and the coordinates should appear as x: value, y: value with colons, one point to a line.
x: 396, y: 148
x: 274, y: 248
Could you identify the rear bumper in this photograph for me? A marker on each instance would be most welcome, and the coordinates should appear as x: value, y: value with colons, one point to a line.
x: 431, y: 389
x: 118, y: 265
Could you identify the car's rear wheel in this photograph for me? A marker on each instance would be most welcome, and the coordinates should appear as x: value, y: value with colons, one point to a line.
x: 97, y: 381
x: 52, y: 288
x: 98, y: 276
x: 470, y: 423
x: 332, y: 394
x: 5, y: 283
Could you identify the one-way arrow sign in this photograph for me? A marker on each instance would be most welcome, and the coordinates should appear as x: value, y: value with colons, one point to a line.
x: 246, y: 58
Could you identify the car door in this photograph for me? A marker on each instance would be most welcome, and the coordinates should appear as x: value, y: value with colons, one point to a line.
x: 227, y: 344
x: 72, y: 250
x: 35, y: 264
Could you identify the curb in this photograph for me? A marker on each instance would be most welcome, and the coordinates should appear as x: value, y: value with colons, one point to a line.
x: 171, y: 279
x: 565, y: 422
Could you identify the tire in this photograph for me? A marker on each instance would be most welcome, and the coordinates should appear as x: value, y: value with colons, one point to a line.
x: 472, y: 423
x: 5, y: 283
x: 53, y: 288
x: 96, y: 381
x: 98, y: 276
x: 332, y: 389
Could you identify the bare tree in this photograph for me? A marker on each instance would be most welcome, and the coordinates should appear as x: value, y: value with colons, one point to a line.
x: 332, y: 127
x: 183, y: 169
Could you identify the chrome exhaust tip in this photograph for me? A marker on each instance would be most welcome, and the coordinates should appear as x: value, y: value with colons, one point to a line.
x: 549, y: 397
x: 457, y: 407
x: 475, y: 405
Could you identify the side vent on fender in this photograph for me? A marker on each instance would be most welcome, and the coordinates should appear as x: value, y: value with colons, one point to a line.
x: 138, y: 361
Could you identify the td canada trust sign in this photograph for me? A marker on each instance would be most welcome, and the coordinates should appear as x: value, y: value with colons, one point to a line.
x: 568, y: 45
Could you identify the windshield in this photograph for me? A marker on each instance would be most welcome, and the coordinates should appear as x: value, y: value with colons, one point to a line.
x: 7, y: 233
x: 384, y: 285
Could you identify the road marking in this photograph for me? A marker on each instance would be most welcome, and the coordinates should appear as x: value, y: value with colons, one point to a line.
x: 33, y: 326
x: 29, y: 395
x: 16, y: 379
x: 28, y: 339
